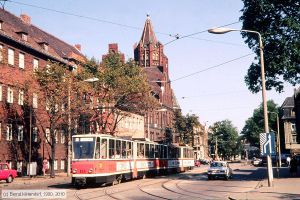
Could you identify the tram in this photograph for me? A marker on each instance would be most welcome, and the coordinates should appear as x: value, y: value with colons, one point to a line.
x: 100, y: 158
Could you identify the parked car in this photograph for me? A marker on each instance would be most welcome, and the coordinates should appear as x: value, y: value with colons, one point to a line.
x: 204, y: 161
x: 197, y: 163
x: 6, y: 173
x: 219, y: 169
x: 256, y: 161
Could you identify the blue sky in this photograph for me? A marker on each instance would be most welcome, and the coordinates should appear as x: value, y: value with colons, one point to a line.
x: 213, y: 95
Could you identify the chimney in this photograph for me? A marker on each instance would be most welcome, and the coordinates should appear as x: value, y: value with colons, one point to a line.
x: 78, y: 47
x: 113, y: 48
x: 25, y: 18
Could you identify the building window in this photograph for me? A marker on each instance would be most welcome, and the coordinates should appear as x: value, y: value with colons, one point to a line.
x: 34, y: 100
x: 21, y: 60
x: 45, y: 47
x: 1, y: 53
x: 35, y: 64
x: 55, y: 164
x: 11, y: 56
x: 24, y: 36
x: 20, y: 132
x: 9, y: 132
x: 48, y: 138
x: 34, y: 134
x: 0, y: 92
x: 10, y: 95
x: 1, y: 25
x: 21, y: 97
x: 293, y: 128
x: 19, y: 166
x: 62, y: 137
x: 56, y: 136
x: 62, y: 164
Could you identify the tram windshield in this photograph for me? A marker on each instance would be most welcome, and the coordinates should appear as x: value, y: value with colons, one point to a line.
x: 83, y: 148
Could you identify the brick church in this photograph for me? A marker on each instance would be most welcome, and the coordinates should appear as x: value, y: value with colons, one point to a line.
x: 149, y: 53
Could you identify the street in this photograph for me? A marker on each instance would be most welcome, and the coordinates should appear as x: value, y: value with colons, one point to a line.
x: 189, y: 185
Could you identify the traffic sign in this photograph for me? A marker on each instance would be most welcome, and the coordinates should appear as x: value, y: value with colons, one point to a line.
x: 267, y: 144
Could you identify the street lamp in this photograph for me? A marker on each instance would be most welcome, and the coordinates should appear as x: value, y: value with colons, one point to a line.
x: 223, y: 30
x: 90, y: 80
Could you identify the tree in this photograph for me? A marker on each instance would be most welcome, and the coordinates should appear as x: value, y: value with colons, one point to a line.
x: 255, y: 124
x: 278, y: 22
x: 225, y: 137
x: 122, y: 89
x: 48, y: 91
x: 184, y: 125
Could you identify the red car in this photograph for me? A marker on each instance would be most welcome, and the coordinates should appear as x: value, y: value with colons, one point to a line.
x: 197, y: 163
x: 6, y: 173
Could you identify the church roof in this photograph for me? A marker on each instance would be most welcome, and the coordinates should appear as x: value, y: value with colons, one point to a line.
x: 148, y: 36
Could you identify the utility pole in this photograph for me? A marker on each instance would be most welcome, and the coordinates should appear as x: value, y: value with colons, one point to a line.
x: 278, y: 140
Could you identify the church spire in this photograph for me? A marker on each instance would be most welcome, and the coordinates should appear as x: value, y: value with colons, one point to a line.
x: 148, y: 36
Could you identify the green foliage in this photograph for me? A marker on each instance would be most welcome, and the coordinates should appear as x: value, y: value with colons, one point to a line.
x: 255, y: 124
x: 184, y: 126
x: 122, y: 86
x: 278, y: 22
x: 226, y: 136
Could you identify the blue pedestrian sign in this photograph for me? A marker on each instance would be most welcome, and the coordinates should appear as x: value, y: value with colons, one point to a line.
x: 267, y: 144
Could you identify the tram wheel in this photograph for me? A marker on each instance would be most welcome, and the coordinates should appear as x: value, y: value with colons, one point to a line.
x: 115, y: 182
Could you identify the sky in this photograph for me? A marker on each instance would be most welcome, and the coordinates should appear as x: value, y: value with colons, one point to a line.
x: 214, y: 95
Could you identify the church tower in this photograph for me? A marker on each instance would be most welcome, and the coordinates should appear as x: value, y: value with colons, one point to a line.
x: 149, y: 54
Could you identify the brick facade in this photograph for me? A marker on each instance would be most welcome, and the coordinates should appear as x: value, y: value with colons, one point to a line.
x: 23, y: 47
x: 149, y: 53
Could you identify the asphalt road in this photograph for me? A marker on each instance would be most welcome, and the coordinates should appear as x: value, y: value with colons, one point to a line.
x: 189, y: 185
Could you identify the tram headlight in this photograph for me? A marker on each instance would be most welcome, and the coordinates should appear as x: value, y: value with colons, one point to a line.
x: 91, y: 170
x: 74, y: 171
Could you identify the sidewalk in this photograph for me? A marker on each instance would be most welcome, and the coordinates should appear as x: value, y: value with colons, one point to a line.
x: 284, y: 187
x: 44, y: 180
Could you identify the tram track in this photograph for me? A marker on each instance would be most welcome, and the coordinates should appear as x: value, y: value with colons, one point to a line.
x: 107, y: 193
x: 112, y: 191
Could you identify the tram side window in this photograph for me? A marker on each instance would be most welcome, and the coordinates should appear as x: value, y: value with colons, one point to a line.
x: 177, y: 152
x: 129, y: 149
x: 152, y: 151
x: 97, y: 152
x: 141, y: 150
x: 156, y: 151
x: 111, y: 148
x: 118, y: 148
x: 123, y: 150
x: 104, y: 148
x: 147, y: 153
x: 185, y: 153
x: 161, y: 151
x: 170, y: 153
x: 165, y: 152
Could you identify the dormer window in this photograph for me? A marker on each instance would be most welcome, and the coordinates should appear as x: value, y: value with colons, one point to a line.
x: 44, y: 45
x: 23, y: 35
x: 1, y: 22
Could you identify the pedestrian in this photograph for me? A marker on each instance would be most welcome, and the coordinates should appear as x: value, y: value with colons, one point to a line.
x: 293, y: 166
x: 288, y: 161
x: 45, y: 166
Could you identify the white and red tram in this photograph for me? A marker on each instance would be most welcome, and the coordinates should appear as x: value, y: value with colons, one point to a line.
x: 99, y: 158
